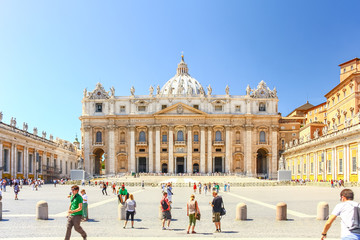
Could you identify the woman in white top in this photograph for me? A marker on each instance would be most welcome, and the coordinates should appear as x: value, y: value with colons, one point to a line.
x: 85, y: 216
x: 130, y: 206
x: 192, y: 211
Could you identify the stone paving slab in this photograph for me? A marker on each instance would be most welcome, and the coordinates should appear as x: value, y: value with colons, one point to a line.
x: 151, y: 238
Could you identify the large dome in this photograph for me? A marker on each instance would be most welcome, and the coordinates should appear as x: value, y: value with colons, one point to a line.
x: 182, y: 83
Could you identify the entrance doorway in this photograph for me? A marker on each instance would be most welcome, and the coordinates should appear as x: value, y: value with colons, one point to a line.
x: 218, y: 164
x: 180, y: 165
x: 262, y: 163
x: 164, y: 168
x: 99, y: 162
x: 196, y: 168
x: 142, y: 167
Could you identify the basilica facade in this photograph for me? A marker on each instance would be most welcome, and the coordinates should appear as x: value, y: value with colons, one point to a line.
x: 181, y: 127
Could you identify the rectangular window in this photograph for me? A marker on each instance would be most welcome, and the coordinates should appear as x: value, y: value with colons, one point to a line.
x: 55, y: 163
x: 164, y: 150
x: 196, y: 138
x: 298, y: 168
x: 19, y: 161
x: 122, y: 109
x: 47, y: 162
x: 312, y: 168
x: 164, y: 138
x: 304, y: 168
x: 340, y: 165
x: 196, y: 150
x: 196, y: 106
x: 218, y: 108
x: 6, y: 160
x: 163, y: 106
x: 141, y: 108
x: 354, y: 168
x: 238, y: 108
x: 66, y: 168
x: 71, y: 166
x: 329, y: 166
x: 98, y: 107
x: 141, y: 150
x: 60, y: 166
x: 39, y: 163
x: 30, y: 163
x: 218, y: 150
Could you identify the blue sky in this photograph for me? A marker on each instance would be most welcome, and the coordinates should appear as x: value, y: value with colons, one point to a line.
x: 51, y: 50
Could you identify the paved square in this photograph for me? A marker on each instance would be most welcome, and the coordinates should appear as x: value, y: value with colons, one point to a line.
x: 261, y: 224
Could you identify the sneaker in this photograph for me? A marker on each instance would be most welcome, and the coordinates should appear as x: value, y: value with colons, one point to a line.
x: 187, y: 232
x: 193, y: 232
x: 163, y: 228
x: 219, y: 230
x: 216, y: 231
x: 132, y: 226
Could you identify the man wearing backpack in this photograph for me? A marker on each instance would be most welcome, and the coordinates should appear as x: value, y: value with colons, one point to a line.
x: 165, y: 208
x: 349, y: 212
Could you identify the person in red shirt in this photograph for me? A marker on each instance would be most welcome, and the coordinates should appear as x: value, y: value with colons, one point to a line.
x: 194, y: 187
x: 165, y: 208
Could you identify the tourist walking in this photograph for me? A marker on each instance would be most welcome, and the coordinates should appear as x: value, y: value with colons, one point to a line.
x: 165, y: 209
x: 16, y: 190
x: 205, y: 188
x: 114, y: 188
x: 104, y: 186
x: 192, y: 212
x: 194, y: 187
x: 228, y: 187
x: 0, y: 194
x: 169, y: 192
x: 332, y: 183
x: 130, y: 206
x: 85, y: 216
x: 216, y: 205
x: 199, y: 186
x: 75, y: 214
x: 348, y: 210
x: 123, y: 194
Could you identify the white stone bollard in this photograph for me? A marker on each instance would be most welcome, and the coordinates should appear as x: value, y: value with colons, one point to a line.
x: 281, y: 211
x: 322, y: 211
x: 42, y: 210
x: 0, y: 210
x: 121, y: 212
x: 241, y: 212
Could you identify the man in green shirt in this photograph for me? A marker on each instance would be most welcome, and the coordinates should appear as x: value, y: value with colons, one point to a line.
x: 123, y: 194
x: 75, y: 213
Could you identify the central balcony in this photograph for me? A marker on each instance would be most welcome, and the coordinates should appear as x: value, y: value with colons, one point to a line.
x: 99, y: 144
x: 141, y: 143
x: 218, y: 143
x: 180, y: 143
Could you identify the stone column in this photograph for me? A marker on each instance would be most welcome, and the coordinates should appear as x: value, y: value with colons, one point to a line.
x: 171, y: 149
x: 189, y: 150
x: 132, y: 149
x: 209, y: 151
x: 358, y: 160
x: 1, y: 159
x: 26, y: 162
x: 88, y: 163
x: 228, y: 144
x: 151, y: 150
x: 111, y: 158
x: 92, y: 165
x: 274, y: 150
x: 248, y: 150
x: 202, y: 149
x: 157, y: 150
x: 334, y: 163
x: 308, y: 166
x: 13, y: 161
x: 346, y: 162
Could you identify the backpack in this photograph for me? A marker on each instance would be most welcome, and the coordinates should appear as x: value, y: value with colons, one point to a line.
x: 356, y: 219
x: 164, y: 205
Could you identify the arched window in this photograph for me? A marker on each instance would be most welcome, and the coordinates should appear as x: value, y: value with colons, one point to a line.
x: 262, y: 137
x: 180, y: 136
x: 218, y: 136
x: 142, y: 137
x: 237, y: 136
x: 98, y: 137
x: 262, y: 107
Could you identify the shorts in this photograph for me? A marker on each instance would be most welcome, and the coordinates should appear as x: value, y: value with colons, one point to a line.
x: 192, y: 219
x: 166, y: 215
x: 216, y: 217
x: 128, y: 214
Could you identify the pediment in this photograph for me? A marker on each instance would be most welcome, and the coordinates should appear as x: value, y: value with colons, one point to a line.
x: 180, y: 109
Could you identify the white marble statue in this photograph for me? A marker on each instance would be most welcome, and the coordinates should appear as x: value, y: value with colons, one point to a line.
x: 132, y: 91
x: 202, y: 92
x: 1, y: 116
x: 112, y: 90
x: 43, y: 134
x: 13, y: 122
x: 25, y: 126
x: 282, y: 163
x: 51, y: 137
x: 316, y: 133
x: 227, y: 90
x: 248, y: 90
x: 189, y: 91
x: 85, y: 92
x: 209, y: 90
x: 151, y: 90
x: 158, y: 90
x: 35, y: 131
x: 325, y: 130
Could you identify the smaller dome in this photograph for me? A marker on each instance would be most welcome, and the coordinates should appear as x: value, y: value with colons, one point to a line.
x: 182, y: 83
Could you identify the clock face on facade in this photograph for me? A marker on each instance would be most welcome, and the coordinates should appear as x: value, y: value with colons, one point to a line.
x: 99, y: 93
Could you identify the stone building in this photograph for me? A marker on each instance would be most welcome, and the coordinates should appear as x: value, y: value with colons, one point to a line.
x: 328, y: 146
x: 27, y: 155
x: 181, y: 128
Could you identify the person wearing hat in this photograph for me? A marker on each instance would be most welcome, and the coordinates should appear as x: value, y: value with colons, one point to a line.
x: 123, y: 194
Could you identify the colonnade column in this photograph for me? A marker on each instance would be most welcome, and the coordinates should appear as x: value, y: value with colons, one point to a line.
x: 111, y: 153
x: 88, y: 162
x: 92, y: 165
x: 157, y: 149
x: 171, y: 149
x: 26, y: 162
x: 13, y: 161
x: 209, y: 151
x: 189, y: 150
x: 274, y: 151
x: 346, y: 163
x: 248, y: 151
x: 358, y: 161
x: 202, y: 149
x: 132, y: 149
x: 228, y: 156
x: 151, y: 150
x: 1, y: 159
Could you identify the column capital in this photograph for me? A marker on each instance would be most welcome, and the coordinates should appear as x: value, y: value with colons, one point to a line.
x: 171, y: 128
x: 131, y: 127
x: 189, y: 127
x: 111, y: 127
x: 248, y: 127
x: 202, y: 126
x: 227, y: 127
